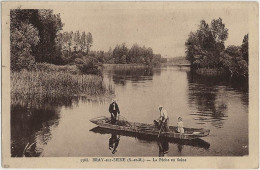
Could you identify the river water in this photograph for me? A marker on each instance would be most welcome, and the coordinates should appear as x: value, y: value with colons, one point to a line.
x: 61, y: 127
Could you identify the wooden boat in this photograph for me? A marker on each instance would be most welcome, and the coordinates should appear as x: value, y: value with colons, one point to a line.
x: 149, y: 129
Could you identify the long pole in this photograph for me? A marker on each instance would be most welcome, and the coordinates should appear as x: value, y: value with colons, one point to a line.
x: 160, y: 130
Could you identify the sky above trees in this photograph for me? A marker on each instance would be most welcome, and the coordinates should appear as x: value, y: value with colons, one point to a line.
x: 163, y: 30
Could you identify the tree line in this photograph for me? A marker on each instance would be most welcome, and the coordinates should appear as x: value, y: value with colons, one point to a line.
x: 205, y: 48
x: 121, y: 54
x: 36, y: 37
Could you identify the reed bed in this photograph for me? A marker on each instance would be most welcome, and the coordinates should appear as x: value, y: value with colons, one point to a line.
x: 56, y: 81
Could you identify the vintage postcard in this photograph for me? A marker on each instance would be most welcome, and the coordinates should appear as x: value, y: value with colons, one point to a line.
x: 130, y: 85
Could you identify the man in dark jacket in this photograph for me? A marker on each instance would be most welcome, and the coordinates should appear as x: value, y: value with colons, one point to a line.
x: 114, y: 110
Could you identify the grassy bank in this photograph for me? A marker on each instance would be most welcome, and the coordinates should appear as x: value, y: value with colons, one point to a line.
x: 49, y: 80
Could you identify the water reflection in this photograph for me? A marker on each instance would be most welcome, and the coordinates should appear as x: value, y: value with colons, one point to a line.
x: 120, y: 75
x: 33, y: 119
x: 113, y: 143
x: 163, y: 143
x: 31, y: 128
x: 208, y: 96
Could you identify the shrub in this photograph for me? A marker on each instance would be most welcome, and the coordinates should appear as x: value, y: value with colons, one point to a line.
x: 89, y: 65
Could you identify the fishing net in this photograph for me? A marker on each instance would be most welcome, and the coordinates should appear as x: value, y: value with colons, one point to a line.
x: 122, y: 121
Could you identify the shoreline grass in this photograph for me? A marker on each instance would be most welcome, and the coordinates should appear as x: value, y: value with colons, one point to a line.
x: 49, y: 80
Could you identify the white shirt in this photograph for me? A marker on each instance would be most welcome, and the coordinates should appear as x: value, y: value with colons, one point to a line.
x: 163, y: 113
x: 180, y: 127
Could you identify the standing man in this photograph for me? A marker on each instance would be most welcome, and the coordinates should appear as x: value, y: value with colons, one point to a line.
x: 114, y: 110
x: 163, y: 119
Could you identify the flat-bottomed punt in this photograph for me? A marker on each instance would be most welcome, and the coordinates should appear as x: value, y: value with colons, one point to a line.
x: 150, y: 129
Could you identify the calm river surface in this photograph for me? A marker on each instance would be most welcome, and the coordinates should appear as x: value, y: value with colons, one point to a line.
x: 61, y: 127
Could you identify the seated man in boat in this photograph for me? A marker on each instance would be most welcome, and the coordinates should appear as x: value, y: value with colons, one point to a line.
x: 163, y: 120
x: 114, y: 111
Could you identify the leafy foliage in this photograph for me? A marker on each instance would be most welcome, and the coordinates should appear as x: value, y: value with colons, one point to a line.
x: 33, y: 33
x: 89, y: 65
x: 244, y: 48
x: 205, y: 48
x: 49, y: 25
x: 23, y: 38
x: 135, y: 55
x: 233, y: 61
x: 74, y: 44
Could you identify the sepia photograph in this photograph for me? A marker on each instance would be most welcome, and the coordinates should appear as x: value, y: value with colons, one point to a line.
x: 131, y: 80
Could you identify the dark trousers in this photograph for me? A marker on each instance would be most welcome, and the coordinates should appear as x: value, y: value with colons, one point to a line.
x: 113, y: 118
x: 164, y: 126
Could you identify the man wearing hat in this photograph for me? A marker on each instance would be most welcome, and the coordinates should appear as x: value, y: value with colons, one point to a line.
x: 163, y: 119
x: 114, y: 110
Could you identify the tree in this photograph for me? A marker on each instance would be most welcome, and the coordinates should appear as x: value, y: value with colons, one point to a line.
x: 133, y: 54
x: 148, y: 55
x: 49, y: 25
x: 89, y: 40
x: 83, y: 42
x: 233, y: 61
x: 77, y: 41
x: 119, y: 52
x: 108, y: 56
x: 244, y: 48
x: 23, y: 37
x: 219, y: 32
x: 157, y: 59
x: 123, y: 59
x: 204, y: 46
x: 136, y: 54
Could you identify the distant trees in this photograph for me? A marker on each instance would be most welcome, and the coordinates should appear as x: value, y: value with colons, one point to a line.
x: 118, y: 52
x: 74, y: 45
x: 89, y: 40
x: 135, y: 55
x: 205, y: 48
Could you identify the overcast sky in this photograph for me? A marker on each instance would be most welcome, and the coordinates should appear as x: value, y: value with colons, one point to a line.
x: 164, y: 30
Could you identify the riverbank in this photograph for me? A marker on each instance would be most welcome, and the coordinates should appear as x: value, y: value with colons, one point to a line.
x: 48, y: 80
x: 124, y: 65
x: 210, y: 72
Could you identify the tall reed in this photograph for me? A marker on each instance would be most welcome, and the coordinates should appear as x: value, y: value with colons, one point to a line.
x: 55, y: 81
